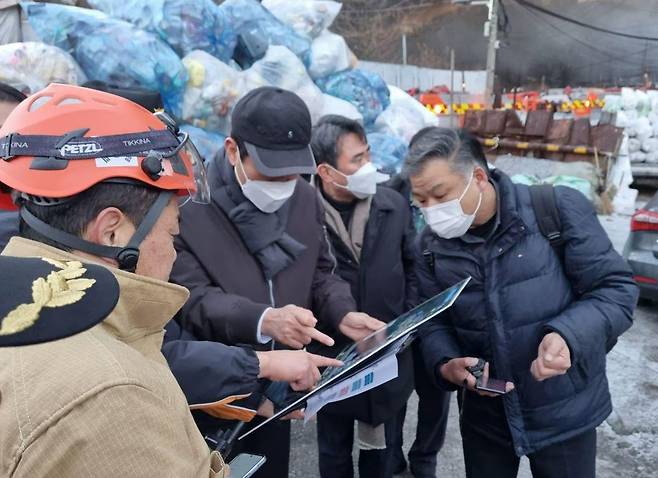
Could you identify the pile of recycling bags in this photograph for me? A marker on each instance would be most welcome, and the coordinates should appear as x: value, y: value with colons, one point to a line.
x: 111, y: 50
x: 185, y: 25
x: 637, y: 112
x: 204, y: 57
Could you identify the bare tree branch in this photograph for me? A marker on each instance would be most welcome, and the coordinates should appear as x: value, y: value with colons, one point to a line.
x: 374, y: 28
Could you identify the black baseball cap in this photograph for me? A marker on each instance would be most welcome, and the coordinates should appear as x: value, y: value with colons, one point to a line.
x: 44, y: 300
x: 275, y: 126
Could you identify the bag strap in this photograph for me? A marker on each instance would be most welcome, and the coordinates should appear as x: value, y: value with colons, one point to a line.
x: 548, y: 216
x: 428, y: 256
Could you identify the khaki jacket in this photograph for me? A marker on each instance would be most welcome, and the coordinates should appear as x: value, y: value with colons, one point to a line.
x: 102, y: 403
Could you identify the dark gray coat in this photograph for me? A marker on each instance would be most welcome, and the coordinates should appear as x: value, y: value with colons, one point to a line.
x: 228, y: 290
x: 207, y: 371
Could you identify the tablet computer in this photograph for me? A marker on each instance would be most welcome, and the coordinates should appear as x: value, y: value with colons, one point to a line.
x: 356, y: 355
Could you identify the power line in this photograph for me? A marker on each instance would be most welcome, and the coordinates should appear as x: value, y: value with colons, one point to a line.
x: 616, y: 6
x: 622, y: 58
x: 621, y: 61
x: 396, y: 8
x: 543, y: 10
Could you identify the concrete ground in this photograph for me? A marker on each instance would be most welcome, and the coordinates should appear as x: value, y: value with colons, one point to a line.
x: 628, y: 440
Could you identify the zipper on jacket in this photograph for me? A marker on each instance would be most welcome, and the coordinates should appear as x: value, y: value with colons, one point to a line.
x: 270, y: 287
x: 331, y: 251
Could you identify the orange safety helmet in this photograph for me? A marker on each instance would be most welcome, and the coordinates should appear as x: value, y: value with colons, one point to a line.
x: 60, y: 111
x: 65, y: 139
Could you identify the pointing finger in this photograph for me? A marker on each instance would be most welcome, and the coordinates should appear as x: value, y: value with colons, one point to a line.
x: 320, y: 337
x: 320, y: 361
x: 374, y: 324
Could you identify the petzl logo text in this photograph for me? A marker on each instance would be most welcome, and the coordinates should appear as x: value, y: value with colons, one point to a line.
x: 81, y: 149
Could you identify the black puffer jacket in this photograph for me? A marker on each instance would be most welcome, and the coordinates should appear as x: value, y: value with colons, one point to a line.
x: 521, y: 290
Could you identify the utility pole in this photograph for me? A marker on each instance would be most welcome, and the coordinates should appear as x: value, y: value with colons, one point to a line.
x: 491, y: 30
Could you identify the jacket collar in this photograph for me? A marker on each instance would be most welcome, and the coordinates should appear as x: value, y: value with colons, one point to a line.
x: 508, y: 207
x: 352, y: 236
x: 383, y: 202
x: 471, y: 238
x: 145, y: 304
x: 507, y: 213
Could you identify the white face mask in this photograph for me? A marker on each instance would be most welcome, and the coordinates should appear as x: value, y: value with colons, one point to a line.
x: 268, y: 196
x: 448, y: 219
x: 364, y: 182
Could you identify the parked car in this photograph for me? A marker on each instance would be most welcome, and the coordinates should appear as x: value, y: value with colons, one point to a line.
x: 641, y: 249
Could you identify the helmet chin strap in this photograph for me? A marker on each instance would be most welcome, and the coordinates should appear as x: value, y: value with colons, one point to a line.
x: 126, y: 256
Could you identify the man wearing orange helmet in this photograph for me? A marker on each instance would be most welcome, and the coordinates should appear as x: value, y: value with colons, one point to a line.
x: 98, y: 179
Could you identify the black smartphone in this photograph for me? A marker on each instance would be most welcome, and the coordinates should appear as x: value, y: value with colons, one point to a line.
x: 245, y: 465
x: 492, y: 385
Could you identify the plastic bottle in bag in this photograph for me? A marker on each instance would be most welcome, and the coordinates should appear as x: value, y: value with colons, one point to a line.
x: 211, y: 93
x: 306, y: 17
x: 111, y: 50
x: 365, y: 90
x: 31, y: 66
x: 185, y: 25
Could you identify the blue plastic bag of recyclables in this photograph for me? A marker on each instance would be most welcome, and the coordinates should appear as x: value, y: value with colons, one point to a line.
x: 387, y: 151
x: 185, y: 25
x: 111, y: 50
x: 250, y: 17
x: 365, y: 90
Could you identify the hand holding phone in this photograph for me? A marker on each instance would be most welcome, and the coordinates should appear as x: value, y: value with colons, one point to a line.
x: 483, y: 383
x: 245, y: 465
x: 469, y: 372
x: 491, y: 385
